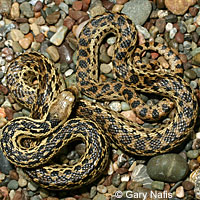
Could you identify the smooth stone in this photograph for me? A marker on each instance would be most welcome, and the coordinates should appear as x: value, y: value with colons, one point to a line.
x: 105, y: 68
x: 180, y: 192
x: 172, y: 33
x: 26, y: 112
x: 111, y: 40
x: 2, y: 176
x: 171, y: 18
x: 15, y: 12
x: 104, y: 58
x: 144, y: 31
x: 13, y: 185
x: 35, y: 46
x: 192, y: 154
x: 16, y: 35
x: 24, y: 28
x: 69, y: 72
x: 97, y: 10
x: 197, y: 71
x: 59, y: 36
x: 35, y: 28
x: 71, y: 80
x: 116, y: 179
x: 190, y: 74
x: 191, y: 28
x: 16, y: 47
x: 53, y: 52
x: 167, y: 168
x: 64, y: 7
x: 101, y: 189
x: 169, y: 26
x: 32, y: 186
x: 22, y: 182
x: 25, y: 43
x: 187, y: 185
x: 179, y: 7
x: 115, y: 106
x: 160, y: 24
x: 44, y: 193
x: 198, y: 30
x: 5, y: 6
x: 137, y: 10
x: 66, y: 53
x: 193, y: 84
x: 26, y: 9
x: 53, y: 18
x: 38, y: 6
x: 125, y: 106
x: 179, y: 37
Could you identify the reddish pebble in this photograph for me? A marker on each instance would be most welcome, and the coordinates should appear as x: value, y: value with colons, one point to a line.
x: 37, y: 14
x: 86, y: 1
x: 3, y: 89
x: 193, y: 11
x: 154, y: 55
x: 108, y: 5
x: 188, y: 185
x: 29, y: 36
x: 183, y: 57
x: 82, y: 19
x: 76, y: 14
x: 122, y: 170
x: 68, y: 22
x: 38, y: 6
x: 14, y: 175
x: 9, y: 113
x: 77, y: 5
x: 2, y: 112
x: 179, y: 37
x: 121, y: 2
x: 40, y: 38
x: 18, y: 196
x: 85, y: 7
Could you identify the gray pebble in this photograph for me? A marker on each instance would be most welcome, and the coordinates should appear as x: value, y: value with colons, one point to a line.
x: 24, y: 28
x: 157, y: 185
x: 101, y: 189
x: 187, y: 45
x: 111, y: 40
x: 26, y: 112
x: 192, y: 154
x: 13, y: 185
x: 26, y: 9
x: 193, y: 84
x: 144, y: 31
x: 32, y: 186
x: 18, y: 114
x: 93, y: 191
x: 5, y: 165
x: 64, y: 7
x: 116, y: 179
x: 125, y: 106
x: 137, y: 10
x: 190, y: 74
x: 167, y: 168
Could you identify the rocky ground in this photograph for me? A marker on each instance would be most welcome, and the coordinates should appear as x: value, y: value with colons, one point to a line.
x: 52, y: 27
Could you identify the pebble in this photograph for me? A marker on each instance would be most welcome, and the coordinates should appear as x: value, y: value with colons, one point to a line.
x: 13, y: 185
x: 187, y: 185
x: 17, y: 195
x: 32, y: 186
x: 35, y: 28
x: 172, y: 33
x: 190, y: 74
x: 160, y: 24
x: 169, y: 27
x: 179, y: 37
x: 157, y: 185
x: 38, y: 6
x: 59, y: 36
x: 24, y: 28
x: 139, y: 174
x: 53, y: 18
x: 5, y: 6
x: 111, y: 40
x: 2, y: 176
x: 137, y: 10
x: 125, y: 106
x: 25, y: 43
x: 93, y: 191
x: 100, y: 197
x: 53, y: 52
x: 115, y: 106
x: 117, y: 8
x: 144, y: 31
x: 106, y: 68
x: 116, y: 179
x: 167, y: 168
x: 14, y: 12
x: 64, y: 7
x: 69, y: 72
x: 22, y: 182
x: 192, y: 154
x: 179, y: 7
x: 16, y: 35
x: 26, y: 9
x: 101, y: 189
x: 180, y: 192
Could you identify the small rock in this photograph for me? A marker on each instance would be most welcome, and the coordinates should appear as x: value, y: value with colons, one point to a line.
x: 59, y: 36
x: 144, y: 31
x: 24, y: 28
x: 34, y: 27
x: 5, y: 166
x: 106, y: 68
x: 169, y: 26
x: 2, y: 176
x: 100, y: 197
x: 38, y: 6
x: 172, y: 33
x: 116, y: 179
x: 53, y: 18
x: 69, y: 72
x: 179, y: 7
x: 18, y: 196
x: 40, y: 38
x: 160, y: 24
x: 77, y: 14
x: 22, y: 182
x: 69, y: 22
x: 64, y: 7
x: 190, y: 74
x: 26, y: 9
x: 13, y: 175
x: 157, y: 185
x: 117, y: 8
x: 77, y: 5
x: 115, y: 106
x: 180, y: 192
x: 125, y: 106
x: 97, y: 10
x: 167, y: 167
x: 15, y: 13
x: 101, y: 189
x: 137, y: 10
x: 192, y: 154
x: 25, y: 43
x: 187, y: 185
x: 16, y: 35
x: 193, y: 11
x: 53, y: 52
x: 193, y: 164
x: 32, y: 186
x: 5, y: 6
x: 93, y: 191
x: 179, y: 37
x: 13, y: 185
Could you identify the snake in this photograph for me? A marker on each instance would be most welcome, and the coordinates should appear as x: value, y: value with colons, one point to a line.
x: 59, y: 116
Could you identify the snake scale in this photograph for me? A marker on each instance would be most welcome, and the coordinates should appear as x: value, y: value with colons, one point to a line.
x: 31, y: 142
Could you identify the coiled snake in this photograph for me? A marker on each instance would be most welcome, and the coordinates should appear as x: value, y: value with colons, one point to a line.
x: 30, y: 142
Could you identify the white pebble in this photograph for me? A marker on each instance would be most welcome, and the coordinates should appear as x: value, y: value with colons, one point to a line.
x: 125, y: 178
x: 169, y: 26
x: 2, y: 23
x: 198, y: 135
x: 115, y: 106
x: 44, y: 29
x: 69, y: 72
x: 162, y: 13
x: 172, y: 33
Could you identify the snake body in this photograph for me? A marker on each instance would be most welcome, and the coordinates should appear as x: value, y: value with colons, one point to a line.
x: 47, y: 131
